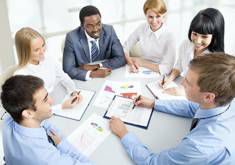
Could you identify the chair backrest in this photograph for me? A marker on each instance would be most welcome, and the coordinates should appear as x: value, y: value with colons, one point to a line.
x: 7, y: 74
x: 135, y: 50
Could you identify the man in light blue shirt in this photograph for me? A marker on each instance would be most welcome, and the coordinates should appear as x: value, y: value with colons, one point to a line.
x: 210, y: 89
x: 27, y: 137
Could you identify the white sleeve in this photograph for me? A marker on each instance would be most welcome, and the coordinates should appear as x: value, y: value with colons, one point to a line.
x: 64, y: 78
x: 168, y: 60
x: 181, y: 55
x: 132, y: 39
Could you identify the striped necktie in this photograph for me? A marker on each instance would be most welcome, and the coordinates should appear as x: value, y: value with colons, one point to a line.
x: 94, y: 51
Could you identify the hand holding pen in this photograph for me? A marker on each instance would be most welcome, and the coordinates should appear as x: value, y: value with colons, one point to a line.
x: 74, y: 99
x: 76, y: 96
x: 163, y: 83
x: 144, y: 102
x: 136, y: 100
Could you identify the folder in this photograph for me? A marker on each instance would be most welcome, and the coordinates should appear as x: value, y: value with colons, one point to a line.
x: 125, y: 109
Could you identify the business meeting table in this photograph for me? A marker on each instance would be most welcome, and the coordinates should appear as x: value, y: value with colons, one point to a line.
x: 164, y: 130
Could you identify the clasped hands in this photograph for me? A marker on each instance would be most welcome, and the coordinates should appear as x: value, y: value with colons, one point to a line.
x: 96, y: 70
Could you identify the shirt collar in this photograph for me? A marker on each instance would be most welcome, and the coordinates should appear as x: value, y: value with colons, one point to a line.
x: 31, y: 132
x: 89, y: 38
x: 207, y: 113
x: 158, y: 32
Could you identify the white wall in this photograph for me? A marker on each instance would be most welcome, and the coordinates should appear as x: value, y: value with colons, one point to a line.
x: 6, y: 43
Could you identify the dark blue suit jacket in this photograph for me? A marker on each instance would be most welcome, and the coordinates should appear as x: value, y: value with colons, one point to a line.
x: 76, y: 51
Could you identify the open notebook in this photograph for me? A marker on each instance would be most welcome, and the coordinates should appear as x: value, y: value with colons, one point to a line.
x: 77, y: 111
x: 125, y: 109
x: 157, y: 91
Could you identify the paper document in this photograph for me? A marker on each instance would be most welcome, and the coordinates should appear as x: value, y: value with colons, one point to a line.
x: 78, y: 110
x: 157, y: 91
x: 128, y: 89
x: 125, y: 109
x: 142, y: 73
x: 90, y: 134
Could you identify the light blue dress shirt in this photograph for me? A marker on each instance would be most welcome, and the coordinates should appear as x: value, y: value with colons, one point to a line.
x: 211, y: 142
x: 30, y: 146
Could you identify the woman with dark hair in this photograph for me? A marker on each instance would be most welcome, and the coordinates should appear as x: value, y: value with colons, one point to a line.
x: 206, y: 34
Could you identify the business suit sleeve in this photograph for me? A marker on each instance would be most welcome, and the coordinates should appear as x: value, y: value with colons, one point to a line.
x: 69, y: 61
x: 117, y: 54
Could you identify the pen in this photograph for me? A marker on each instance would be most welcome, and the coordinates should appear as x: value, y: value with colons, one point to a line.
x: 75, y: 98
x: 163, y: 80
x: 138, y: 98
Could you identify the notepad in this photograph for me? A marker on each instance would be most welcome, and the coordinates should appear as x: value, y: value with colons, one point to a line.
x: 142, y: 73
x: 124, y: 109
x: 78, y: 110
x: 157, y: 91
x: 90, y: 134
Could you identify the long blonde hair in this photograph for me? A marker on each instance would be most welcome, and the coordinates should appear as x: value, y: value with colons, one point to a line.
x: 23, y: 39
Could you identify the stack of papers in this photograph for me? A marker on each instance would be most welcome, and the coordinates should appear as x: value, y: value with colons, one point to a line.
x: 129, y: 89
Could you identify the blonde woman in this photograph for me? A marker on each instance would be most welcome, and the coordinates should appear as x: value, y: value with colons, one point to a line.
x: 156, y: 43
x: 30, y: 47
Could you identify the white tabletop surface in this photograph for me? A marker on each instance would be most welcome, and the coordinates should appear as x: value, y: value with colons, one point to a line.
x: 164, y: 130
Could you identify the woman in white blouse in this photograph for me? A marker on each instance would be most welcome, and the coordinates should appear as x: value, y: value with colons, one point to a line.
x: 30, y: 46
x: 206, y: 34
x: 157, y: 45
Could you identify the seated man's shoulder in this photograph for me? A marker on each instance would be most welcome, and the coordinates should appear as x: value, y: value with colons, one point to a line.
x: 75, y: 31
x: 107, y: 28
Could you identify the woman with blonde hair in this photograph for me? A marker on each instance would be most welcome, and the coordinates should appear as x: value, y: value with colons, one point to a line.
x: 30, y: 47
x: 156, y: 43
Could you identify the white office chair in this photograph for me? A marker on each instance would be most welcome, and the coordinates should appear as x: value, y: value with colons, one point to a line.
x: 3, y: 77
x: 7, y: 74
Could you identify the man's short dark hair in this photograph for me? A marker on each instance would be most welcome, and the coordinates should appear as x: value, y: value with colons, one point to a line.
x: 17, y: 94
x: 88, y: 11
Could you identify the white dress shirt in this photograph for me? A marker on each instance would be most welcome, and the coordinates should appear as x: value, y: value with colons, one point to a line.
x: 158, y: 47
x: 89, y: 39
x: 186, y: 54
x: 50, y: 71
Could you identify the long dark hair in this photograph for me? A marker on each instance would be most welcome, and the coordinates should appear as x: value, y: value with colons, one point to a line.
x: 209, y: 21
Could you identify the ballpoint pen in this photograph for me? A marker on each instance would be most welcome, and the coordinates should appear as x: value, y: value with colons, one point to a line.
x: 137, y: 99
x: 75, y: 98
x: 163, y: 80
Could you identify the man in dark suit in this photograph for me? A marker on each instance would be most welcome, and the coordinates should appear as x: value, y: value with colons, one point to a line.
x: 90, y: 42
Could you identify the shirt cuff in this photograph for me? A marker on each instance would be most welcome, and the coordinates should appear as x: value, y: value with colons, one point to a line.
x: 129, y: 140
x: 163, y: 69
x: 56, y: 108
x: 88, y: 75
x: 64, y: 145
